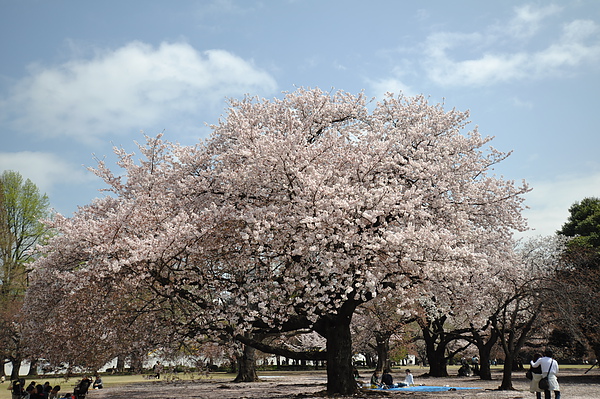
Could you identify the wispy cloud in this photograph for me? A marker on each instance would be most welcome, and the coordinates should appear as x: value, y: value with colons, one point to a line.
x: 528, y: 20
x: 45, y: 170
x: 133, y: 86
x: 500, y: 55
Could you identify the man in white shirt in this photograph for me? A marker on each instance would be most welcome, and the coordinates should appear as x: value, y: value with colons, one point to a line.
x: 550, y: 370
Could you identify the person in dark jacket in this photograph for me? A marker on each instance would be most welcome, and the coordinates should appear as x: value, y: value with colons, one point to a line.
x: 387, y: 379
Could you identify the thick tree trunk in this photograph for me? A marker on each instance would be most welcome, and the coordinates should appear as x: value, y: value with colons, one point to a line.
x: 340, y: 378
x: 485, y: 348
x: 436, y: 356
x: 247, y: 366
x: 438, y: 367
x: 436, y: 343
x: 32, y: 368
x: 485, y: 372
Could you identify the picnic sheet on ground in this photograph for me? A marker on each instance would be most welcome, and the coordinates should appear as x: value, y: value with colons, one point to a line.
x: 423, y: 388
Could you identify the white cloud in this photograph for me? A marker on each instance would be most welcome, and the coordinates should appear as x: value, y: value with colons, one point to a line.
x: 133, y: 86
x: 546, y: 216
x: 528, y: 20
x: 484, y: 62
x: 390, y: 85
x: 45, y: 170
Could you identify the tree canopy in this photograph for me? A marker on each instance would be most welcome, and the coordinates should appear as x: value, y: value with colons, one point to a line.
x: 292, y: 214
x: 576, y: 284
x: 584, y: 222
x: 22, y: 207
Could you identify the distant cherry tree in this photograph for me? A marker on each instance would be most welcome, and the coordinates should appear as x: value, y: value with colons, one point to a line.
x: 295, y: 212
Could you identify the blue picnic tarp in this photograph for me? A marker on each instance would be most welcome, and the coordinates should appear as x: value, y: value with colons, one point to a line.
x: 423, y: 388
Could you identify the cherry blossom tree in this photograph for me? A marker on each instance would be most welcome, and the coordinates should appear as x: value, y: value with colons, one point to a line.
x: 295, y: 212
x: 518, y: 305
x: 380, y: 323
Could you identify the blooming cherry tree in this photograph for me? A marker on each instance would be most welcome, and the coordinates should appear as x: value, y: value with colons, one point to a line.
x: 295, y: 212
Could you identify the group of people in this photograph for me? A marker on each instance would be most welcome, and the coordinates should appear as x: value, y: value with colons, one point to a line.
x: 544, y: 367
x: 46, y: 391
x: 387, y: 381
x: 33, y: 390
x: 467, y: 370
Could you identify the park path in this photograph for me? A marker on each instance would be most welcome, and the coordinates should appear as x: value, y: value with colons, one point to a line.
x: 294, y: 385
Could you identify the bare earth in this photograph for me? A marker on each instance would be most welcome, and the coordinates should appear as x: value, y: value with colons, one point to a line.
x: 574, y: 385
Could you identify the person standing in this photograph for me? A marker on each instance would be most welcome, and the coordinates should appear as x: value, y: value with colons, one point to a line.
x: 17, y: 388
x: 536, y: 376
x: 550, y: 370
x: 158, y: 368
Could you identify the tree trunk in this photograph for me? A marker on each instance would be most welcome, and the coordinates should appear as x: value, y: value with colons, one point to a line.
x: 383, y: 350
x: 16, y: 366
x: 247, y: 366
x: 340, y: 378
x: 137, y: 362
x: 485, y: 372
x: 120, y: 364
x: 436, y: 342
x: 32, y: 368
x: 507, y: 373
x: 485, y: 348
x: 435, y: 356
x: 438, y: 367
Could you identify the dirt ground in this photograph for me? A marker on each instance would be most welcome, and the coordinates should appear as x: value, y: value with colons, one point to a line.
x: 574, y: 385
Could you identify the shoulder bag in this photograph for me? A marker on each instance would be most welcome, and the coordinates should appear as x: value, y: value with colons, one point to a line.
x: 544, y: 384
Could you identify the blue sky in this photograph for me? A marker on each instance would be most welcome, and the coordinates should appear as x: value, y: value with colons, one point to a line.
x: 78, y: 77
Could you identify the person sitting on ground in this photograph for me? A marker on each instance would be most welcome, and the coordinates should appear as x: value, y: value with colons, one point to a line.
x: 375, y: 380
x: 465, y: 371
x: 54, y: 392
x: 30, y: 392
x: 386, y: 379
x: 47, y: 390
x: 98, y: 382
x: 409, y: 380
x: 39, y: 392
